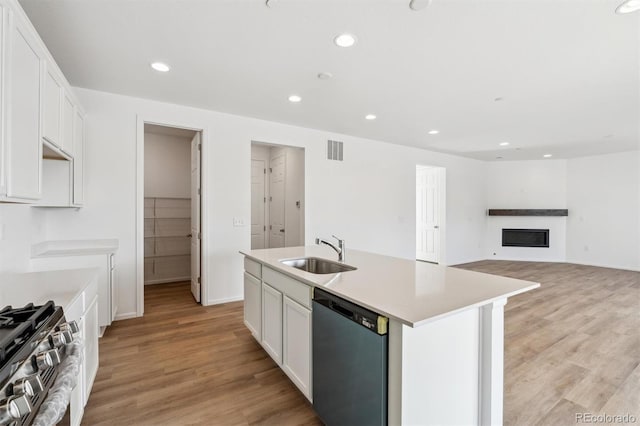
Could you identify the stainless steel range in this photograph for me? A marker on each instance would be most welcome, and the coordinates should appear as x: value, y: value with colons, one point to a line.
x: 33, y: 343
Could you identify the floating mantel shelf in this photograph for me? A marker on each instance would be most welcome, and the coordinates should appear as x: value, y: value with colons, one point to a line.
x: 528, y: 212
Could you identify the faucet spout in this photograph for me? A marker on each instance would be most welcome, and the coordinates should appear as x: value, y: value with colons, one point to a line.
x: 340, y: 249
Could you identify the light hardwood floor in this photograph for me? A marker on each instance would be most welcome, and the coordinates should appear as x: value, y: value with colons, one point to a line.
x: 571, y: 346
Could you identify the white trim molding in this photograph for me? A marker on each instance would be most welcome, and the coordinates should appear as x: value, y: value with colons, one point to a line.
x: 168, y: 121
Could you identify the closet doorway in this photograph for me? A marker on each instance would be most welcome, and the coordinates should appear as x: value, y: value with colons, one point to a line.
x: 172, y: 208
x: 277, y: 196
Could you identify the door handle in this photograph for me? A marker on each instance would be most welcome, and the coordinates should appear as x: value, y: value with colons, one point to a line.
x: 436, y: 227
x: 190, y: 235
x: 282, y: 230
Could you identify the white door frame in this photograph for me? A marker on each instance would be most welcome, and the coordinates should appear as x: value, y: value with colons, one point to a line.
x: 168, y: 121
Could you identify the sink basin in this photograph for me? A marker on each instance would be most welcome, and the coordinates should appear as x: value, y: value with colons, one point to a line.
x: 317, y: 265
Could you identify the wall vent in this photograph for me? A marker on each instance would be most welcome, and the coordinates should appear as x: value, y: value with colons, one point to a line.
x: 334, y: 150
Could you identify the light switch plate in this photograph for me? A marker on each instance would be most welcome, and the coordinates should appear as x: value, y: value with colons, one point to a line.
x: 238, y: 221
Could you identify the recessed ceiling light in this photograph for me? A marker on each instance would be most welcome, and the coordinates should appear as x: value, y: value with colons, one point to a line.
x: 325, y: 75
x: 370, y: 116
x: 295, y: 98
x: 433, y: 132
x: 628, y: 6
x: 498, y: 99
x: 498, y: 158
x: 547, y: 156
x: 504, y: 143
x: 160, y: 66
x: 345, y: 40
x: 419, y: 4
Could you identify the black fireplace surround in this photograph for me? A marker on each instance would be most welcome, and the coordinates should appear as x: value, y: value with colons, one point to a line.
x: 525, y: 237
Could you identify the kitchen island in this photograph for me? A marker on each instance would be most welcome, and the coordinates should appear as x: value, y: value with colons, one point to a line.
x: 446, y: 328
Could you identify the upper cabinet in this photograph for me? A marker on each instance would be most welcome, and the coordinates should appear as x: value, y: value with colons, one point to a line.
x: 51, y: 103
x: 23, y: 148
x: 78, y: 159
x: 37, y: 107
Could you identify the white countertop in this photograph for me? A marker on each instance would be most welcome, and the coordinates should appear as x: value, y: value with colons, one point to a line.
x: 411, y: 292
x: 63, y: 287
x: 58, y: 248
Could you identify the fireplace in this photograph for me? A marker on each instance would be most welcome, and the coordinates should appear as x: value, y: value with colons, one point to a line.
x: 525, y: 237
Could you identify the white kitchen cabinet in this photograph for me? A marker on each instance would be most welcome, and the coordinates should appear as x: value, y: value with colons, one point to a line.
x: 37, y: 107
x: 66, y: 130
x: 272, y: 322
x: 78, y: 158
x: 107, y: 285
x: 84, y: 310
x: 91, y: 333
x: 252, y: 305
x: 277, y: 311
x: 51, y: 108
x: 296, y: 360
x: 23, y: 146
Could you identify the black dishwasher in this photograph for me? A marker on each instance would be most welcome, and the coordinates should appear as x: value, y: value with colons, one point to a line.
x: 349, y: 362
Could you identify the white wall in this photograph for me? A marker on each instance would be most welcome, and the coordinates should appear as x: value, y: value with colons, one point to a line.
x: 604, y: 210
x: 167, y: 166
x: 21, y: 227
x: 539, y: 184
x: 374, y: 208
x: 527, y: 184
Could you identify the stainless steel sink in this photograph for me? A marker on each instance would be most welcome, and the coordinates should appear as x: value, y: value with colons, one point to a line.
x: 317, y: 265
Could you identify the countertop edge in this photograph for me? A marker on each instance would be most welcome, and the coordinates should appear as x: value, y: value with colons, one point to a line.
x: 411, y: 324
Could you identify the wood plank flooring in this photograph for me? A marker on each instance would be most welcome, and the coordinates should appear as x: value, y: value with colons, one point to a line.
x: 185, y: 364
x: 571, y: 346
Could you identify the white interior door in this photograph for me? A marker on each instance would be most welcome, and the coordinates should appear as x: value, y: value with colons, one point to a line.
x: 258, y: 201
x: 276, y: 200
x: 428, y: 214
x: 195, y: 217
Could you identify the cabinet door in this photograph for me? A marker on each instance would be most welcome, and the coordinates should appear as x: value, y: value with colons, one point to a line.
x: 78, y: 159
x: 252, y: 305
x: 76, y: 402
x: 272, y: 322
x: 66, y: 132
x: 296, y: 361
x: 24, y: 147
x: 51, y: 103
x: 90, y: 347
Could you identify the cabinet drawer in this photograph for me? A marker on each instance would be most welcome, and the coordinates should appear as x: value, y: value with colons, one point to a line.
x: 253, y: 267
x: 296, y: 290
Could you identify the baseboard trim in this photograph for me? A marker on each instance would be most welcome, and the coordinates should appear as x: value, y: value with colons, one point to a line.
x: 167, y: 280
x: 601, y: 265
x: 126, y: 315
x: 224, y: 300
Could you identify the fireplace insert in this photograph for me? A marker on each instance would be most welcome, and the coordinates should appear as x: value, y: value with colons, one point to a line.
x: 525, y: 237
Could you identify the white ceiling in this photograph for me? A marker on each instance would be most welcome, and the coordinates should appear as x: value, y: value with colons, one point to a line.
x: 567, y: 70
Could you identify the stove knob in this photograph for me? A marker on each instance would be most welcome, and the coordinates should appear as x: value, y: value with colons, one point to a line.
x: 13, y: 408
x: 71, y: 326
x: 30, y: 386
x: 47, y: 359
x: 60, y: 338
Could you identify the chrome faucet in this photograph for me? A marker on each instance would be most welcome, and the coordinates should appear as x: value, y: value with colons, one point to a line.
x: 340, y: 249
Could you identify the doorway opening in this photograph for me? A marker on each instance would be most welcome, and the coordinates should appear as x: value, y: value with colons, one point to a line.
x: 172, y: 209
x: 430, y: 213
x: 277, y: 196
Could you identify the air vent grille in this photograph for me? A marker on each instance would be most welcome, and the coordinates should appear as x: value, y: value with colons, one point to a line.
x: 334, y: 150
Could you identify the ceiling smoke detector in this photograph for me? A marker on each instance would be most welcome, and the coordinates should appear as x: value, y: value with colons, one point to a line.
x: 419, y: 4
x: 325, y: 75
x: 628, y: 6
